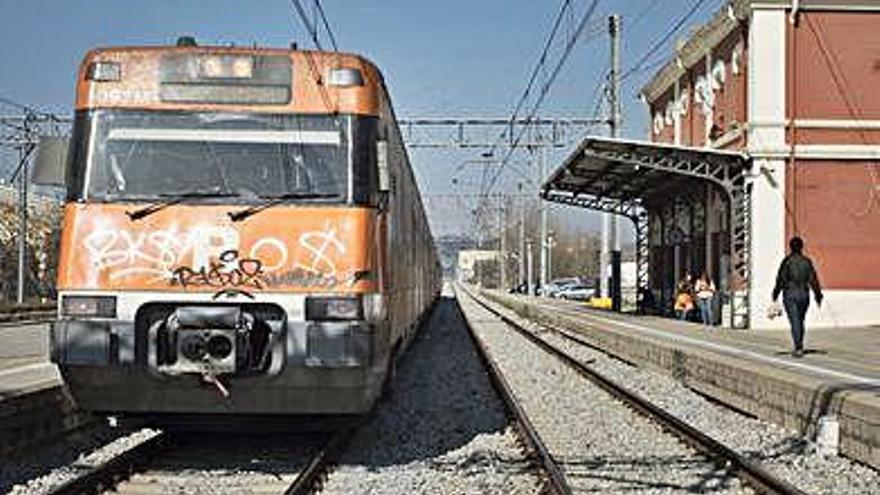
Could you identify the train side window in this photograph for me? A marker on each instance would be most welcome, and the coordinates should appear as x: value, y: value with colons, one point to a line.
x: 382, y: 165
x: 366, y: 156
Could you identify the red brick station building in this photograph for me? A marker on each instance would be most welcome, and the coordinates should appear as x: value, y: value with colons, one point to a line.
x: 765, y: 124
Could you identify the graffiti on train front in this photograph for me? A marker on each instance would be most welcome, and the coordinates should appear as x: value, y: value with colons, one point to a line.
x: 229, y: 270
x: 215, y: 257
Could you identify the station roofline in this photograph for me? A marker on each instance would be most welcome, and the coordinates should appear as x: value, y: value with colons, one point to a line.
x: 726, y: 20
x: 628, y: 172
x: 692, y: 50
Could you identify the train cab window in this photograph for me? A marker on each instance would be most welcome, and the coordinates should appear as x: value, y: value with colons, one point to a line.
x: 127, y: 154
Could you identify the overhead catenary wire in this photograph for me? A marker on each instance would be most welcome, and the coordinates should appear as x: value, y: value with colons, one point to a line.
x: 537, y: 69
x: 24, y: 127
x: 28, y: 109
x: 643, y: 15
x: 661, y: 42
x: 312, y: 27
x: 326, y: 25
x: 545, y: 88
x: 645, y: 64
x: 304, y: 19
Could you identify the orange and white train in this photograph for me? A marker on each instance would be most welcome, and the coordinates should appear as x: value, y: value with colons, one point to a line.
x: 243, y: 234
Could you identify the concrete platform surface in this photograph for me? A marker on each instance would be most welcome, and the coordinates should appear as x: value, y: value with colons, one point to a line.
x: 751, y: 370
x: 23, y: 343
x: 24, y: 360
x: 848, y: 353
x: 34, y: 404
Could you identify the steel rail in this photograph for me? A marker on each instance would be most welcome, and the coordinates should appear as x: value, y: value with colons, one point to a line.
x: 749, y: 471
x: 31, y: 318
x: 31, y: 312
x: 556, y: 482
x: 108, y: 474
x: 319, y: 464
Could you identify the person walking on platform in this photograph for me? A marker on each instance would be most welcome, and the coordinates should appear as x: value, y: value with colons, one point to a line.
x: 705, y: 290
x: 794, y: 280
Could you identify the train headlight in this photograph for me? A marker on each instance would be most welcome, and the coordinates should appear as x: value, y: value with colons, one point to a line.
x: 104, y: 71
x: 345, y: 77
x: 334, y: 308
x: 226, y: 67
x: 88, y: 306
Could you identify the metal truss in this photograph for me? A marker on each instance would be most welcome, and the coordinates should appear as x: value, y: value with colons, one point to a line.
x: 19, y: 134
x: 631, y: 209
x: 642, y: 256
x: 668, y: 160
x: 642, y: 174
x: 741, y: 243
x: 26, y: 128
x: 20, y: 130
x: 491, y: 133
x: 627, y: 209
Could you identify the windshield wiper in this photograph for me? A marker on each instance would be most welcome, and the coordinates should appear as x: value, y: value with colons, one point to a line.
x: 276, y: 200
x: 173, y: 199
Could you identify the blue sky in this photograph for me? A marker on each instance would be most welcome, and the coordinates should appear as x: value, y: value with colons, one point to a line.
x: 440, y: 58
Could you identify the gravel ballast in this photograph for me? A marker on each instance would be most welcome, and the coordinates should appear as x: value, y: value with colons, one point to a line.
x: 443, y: 430
x: 602, y: 446
x: 226, y: 463
x: 66, y: 459
x: 781, y: 451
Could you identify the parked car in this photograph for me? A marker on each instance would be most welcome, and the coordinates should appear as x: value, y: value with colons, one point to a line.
x: 576, y: 292
x: 554, y: 287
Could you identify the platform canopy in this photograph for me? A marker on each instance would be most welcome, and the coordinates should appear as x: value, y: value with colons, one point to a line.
x: 608, y: 174
x: 630, y: 178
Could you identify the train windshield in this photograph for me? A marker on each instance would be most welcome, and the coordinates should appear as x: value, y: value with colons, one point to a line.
x: 134, y: 155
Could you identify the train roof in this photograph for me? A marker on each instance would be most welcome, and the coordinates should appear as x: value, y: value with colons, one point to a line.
x: 229, y: 78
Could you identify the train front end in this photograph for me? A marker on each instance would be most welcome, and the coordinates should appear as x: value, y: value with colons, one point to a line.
x: 222, y: 245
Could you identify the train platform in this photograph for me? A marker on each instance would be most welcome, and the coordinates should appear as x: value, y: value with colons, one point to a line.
x: 34, y: 405
x: 24, y: 360
x: 835, y: 385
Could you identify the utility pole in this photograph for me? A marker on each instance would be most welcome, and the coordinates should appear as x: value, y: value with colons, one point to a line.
x: 478, y: 260
x: 502, y: 263
x: 530, y: 279
x: 25, y: 148
x: 24, y: 153
x: 610, y: 254
x: 614, y: 28
x: 522, y: 237
x: 543, y: 241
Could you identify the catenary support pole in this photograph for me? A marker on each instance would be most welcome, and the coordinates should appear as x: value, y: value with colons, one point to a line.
x: 530, y: 279
x: 614, y: 26
x: 543, y: 244
x: 522, y: 237
x: 502, y: 234
x: 24, y: 153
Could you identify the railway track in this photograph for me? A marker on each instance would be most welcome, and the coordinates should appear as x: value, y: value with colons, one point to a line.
x: 16, y: 315
x: 752, y: 473
x: 172, y: 462
x: 554, y: 479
